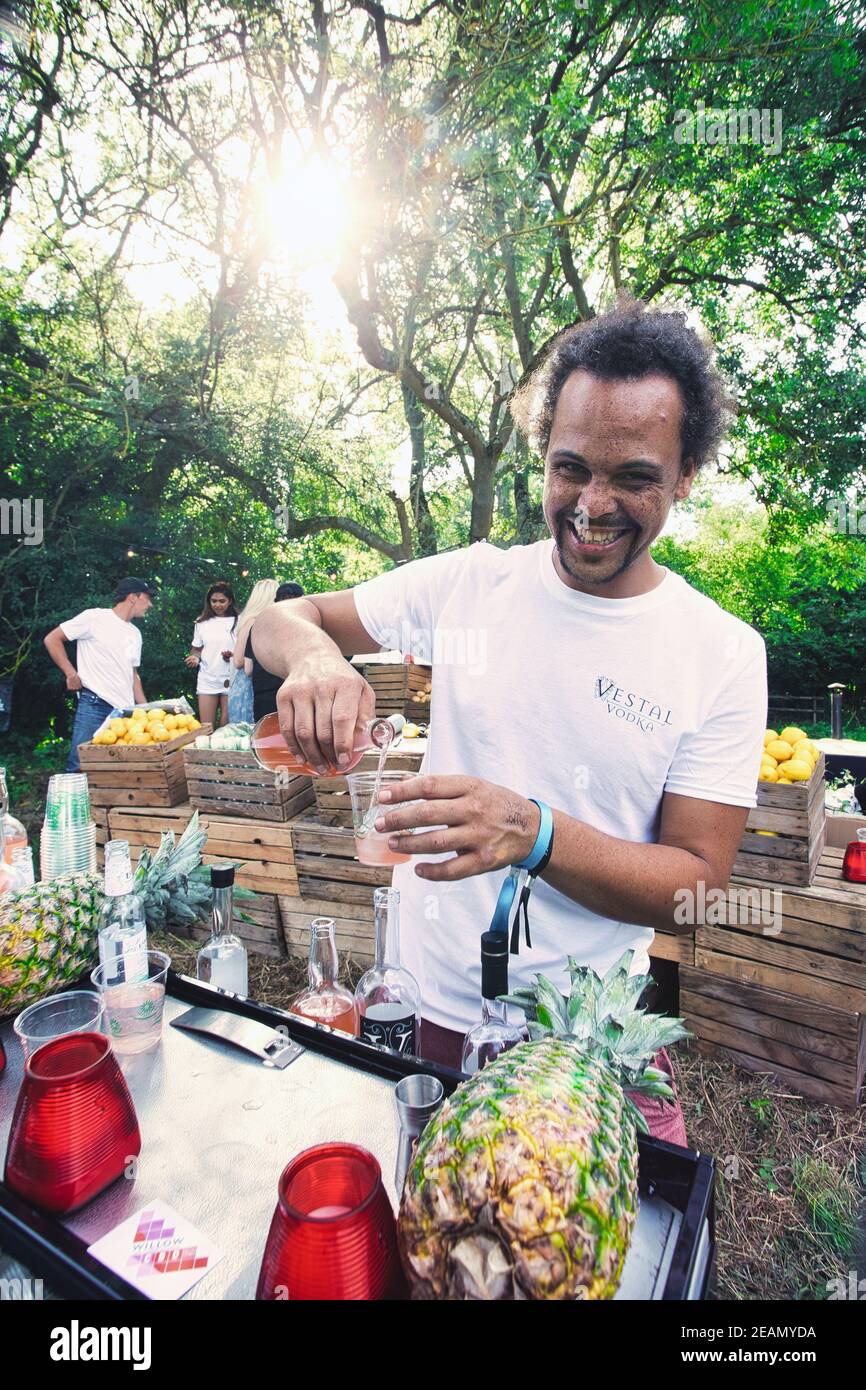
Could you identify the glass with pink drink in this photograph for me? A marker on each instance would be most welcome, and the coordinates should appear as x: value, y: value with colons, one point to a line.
x: 371, y: 845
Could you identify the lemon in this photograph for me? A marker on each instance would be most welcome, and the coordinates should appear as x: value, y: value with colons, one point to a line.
x: 798, y: 770
x: 780, y: 750
x: 768, y: 774
x: 109, y: 736
x: 769, y: 735
x: 792, y: 734
x: 410, y: 730
x: 768, y: 760
x: 118, y: 725
x: 139, y: 716
x: 774, y: 833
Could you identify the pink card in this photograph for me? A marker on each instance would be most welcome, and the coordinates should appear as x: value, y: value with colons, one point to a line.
x: 158, y: 1251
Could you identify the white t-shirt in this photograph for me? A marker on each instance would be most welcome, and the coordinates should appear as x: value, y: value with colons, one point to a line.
x: 108, y: 652
x: 595, y: 705
x: 214, y: 636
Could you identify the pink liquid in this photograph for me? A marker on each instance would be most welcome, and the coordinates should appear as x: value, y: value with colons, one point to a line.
x: 12, y: 842
x: 373, y: 849
x: 330, y: 1011
x: 270, y: 748
x: 330, y: 1211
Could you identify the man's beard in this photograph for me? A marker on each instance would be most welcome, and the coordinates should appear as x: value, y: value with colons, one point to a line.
x: 586, y: 574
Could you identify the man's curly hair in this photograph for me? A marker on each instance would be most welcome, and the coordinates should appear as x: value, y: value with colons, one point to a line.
x: 624, y: 344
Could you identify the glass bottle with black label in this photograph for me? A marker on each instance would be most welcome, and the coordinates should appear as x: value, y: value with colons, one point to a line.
x: 494, y: 1034
x: 387, y: 997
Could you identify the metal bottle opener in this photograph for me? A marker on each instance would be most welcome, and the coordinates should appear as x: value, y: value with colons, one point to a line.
x: 268, y: 1044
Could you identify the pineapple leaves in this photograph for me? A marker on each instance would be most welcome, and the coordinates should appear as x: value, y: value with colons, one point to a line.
x: 174, y: 884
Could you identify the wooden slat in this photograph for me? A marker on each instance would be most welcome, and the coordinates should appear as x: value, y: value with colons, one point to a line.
x: 796, y: 931
x: 703, y: 1009
x: 282, y: 812
x: 774, y: 951
x: 342, y: 892
x: 342, y: 870
x: 773, y: 1003
x: 325, y: 907
x: 810, y: 1063
x: 668, y: 946
x: 808, y: 986
x: 816, y: 1088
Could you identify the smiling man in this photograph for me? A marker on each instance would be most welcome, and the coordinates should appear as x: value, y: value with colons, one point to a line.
x: 606, y: 701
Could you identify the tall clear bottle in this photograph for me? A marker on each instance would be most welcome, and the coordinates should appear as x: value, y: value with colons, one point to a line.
x: 122, y: 923
x: 387, y: 996
x: 222, y: 960
x: 325, y: 1000
x: 15, y: 834
x: 494, y: 1034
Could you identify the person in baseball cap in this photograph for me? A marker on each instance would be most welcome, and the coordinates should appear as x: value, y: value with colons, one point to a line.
x: 108, y: 655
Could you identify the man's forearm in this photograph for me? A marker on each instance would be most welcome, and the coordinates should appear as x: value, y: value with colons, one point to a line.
x: 138, y: 690
x: 288, y: 630
x: 57, y: 651
x: 619, y: 879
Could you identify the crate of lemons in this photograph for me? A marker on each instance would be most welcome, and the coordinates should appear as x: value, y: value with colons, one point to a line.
x: 146, y: 726
x: 788, y: 756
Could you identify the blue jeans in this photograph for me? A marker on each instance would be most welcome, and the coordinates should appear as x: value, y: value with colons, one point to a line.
x: 91, y: 712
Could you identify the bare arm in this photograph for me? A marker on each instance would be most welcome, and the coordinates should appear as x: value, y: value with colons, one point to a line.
x: 487, y: 827
x: 138, y: 690
x: 56, y: 648
x: 323, y: 698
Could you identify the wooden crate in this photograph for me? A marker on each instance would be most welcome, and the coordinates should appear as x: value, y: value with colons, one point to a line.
x: 100, y: 820
x: 327, y: 867
x: 233, y: 784
x: 812, y: 1048
x: 817, y: 950
x: 353, y: 926
x: 333, y: 803
x: 263, y: 850
x: 796, y: 817
x: 151, y: 774
x: 401, y: 688
x: 257, y: 923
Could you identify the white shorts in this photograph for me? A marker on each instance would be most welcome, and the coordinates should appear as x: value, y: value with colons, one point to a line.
x: 210, y: 686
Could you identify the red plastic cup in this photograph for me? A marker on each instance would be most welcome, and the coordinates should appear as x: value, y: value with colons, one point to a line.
x: 74, y: 1129
x: 333, y: 1234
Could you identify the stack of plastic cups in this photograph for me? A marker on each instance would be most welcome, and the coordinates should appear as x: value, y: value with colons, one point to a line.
x: 68, y: 841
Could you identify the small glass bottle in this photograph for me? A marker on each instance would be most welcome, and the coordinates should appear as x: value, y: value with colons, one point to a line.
x: 122, y: 923
x: 22, y: 866
x: 854, y: 863
x: 222, y: 960
x: 387, y: 996
x: 272, y: 753
x: 494, y: 1034
x: 324, y: 1000
x: 14, y: 831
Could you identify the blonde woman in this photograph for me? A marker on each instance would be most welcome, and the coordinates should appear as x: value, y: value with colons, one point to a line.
x: 241, y: 691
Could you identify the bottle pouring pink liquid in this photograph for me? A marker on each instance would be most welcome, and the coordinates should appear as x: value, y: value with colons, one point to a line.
x: 273, y: 754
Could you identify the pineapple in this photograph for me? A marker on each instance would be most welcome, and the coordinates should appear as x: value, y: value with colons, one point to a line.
x: 524, y: 1185
x: 48, y: 932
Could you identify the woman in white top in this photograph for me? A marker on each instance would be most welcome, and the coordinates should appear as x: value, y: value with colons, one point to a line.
x: 213, y: 642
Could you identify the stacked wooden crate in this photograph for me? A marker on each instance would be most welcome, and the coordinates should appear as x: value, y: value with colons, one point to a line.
x: 150, y: 774
x: 235, y: 784
x: 326, y: 865
x: 779, y: 982
x: 333, y: 803
x: 401, y: 688
x: 786, y: 831
x: 353, y: 922
x: 263, y: 852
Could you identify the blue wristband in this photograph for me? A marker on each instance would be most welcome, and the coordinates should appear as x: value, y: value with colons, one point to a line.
x: 543, y: 839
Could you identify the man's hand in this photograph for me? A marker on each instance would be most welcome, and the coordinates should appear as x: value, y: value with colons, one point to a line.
x: 226, y: 656
x: 486, y: 826
x: 73, y: 681
x: 190, y: 660
x: 320, y: 706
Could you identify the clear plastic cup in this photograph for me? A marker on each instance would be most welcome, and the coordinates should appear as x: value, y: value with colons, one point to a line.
x: 67, y: 803
x: 76, y: 1011
x: 67, y: 852
x: 133, y: 1012
x: 371, y: 845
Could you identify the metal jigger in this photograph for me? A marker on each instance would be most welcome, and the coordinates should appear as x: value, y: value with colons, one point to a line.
x: 418, y: 1097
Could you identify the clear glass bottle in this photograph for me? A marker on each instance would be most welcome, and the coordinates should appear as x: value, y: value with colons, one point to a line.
x: 387, y: 997
x: 222, y: 960
x: 122, y: 924
x: 325, y: 1000
x: 15, y: 834
x: 494, y: 1034
x: 272, y: 753
x: 22, y: 866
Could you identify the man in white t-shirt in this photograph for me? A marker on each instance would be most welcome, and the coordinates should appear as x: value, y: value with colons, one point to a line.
x: 574, y: 672
x: 108, y: 655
